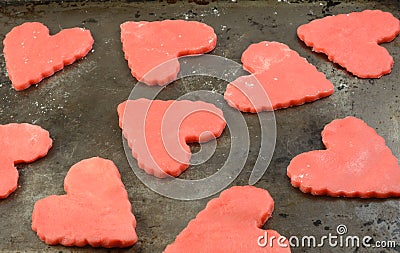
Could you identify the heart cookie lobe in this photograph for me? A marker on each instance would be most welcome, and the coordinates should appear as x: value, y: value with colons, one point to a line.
x: 95, y: 211
x: 32, y: 54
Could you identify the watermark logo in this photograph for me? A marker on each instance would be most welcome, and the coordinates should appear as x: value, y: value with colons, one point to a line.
x: 341, y: 229
x: 184, y: 189
x: 340, y: 239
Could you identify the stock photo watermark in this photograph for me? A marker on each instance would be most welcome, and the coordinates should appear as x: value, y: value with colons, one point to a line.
x: 340, y: 239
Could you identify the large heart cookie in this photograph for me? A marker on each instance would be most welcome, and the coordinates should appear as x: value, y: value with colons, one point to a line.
x: 95, y: 211
x: 351, y: 40
x: 232, y: 223
x: 31, y: 54
x: 148, y: 45
x: 19, y: 143
x: 157, y: 132
x: 357, y: 163
x: 279, y: 74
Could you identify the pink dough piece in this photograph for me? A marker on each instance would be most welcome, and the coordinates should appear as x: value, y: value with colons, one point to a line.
x: 95, y: 211
x: 356, y: 163
x: 157, y: 132
x: 231, y: 223
x: 32, y: 54
x: 19, y: 143
x: 351, y: 40
x: 148, y: 44
x: 279, y: 73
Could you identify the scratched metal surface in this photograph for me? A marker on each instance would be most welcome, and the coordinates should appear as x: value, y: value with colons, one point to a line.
x: 78, y: 106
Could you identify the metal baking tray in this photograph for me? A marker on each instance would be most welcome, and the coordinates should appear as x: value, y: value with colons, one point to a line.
x: 78, y: 106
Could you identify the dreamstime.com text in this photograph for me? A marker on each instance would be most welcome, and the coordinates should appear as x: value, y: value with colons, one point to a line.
x: 340, y: 239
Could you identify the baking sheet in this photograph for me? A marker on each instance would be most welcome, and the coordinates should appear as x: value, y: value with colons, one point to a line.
x: 78, y: 106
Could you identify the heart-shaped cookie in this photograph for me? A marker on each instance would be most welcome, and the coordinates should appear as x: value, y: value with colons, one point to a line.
x: 351, y: 40
x: 19, y: 143
x: 157, y: 131
x: 95, y: 211
x: 232, y: 223
x: 31, y: 54
x: 357, y: 163
x: 148, y: 45
x: 281, y: 78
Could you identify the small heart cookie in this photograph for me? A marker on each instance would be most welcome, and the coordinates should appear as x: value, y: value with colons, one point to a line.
x: 232, y: 223
x: 351, y: 40
x: 148, y: 45
x: 95, y: 211
x: 157, y: 131
x: 281, y: 78
x: 32, y: 54
x: 356, y: 163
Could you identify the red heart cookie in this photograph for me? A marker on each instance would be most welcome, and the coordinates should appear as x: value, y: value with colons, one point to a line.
x: 157, y: 132
x: 19, y: 143
x: 279, y: 73
x: 149, y: 44
x: 351, y: 40
x: 357, y: 163
x: 95, y: 211
x: 31, y: 54
x: 232, y: 223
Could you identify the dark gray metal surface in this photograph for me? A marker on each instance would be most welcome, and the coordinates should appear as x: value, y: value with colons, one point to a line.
x: 78, y: 106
